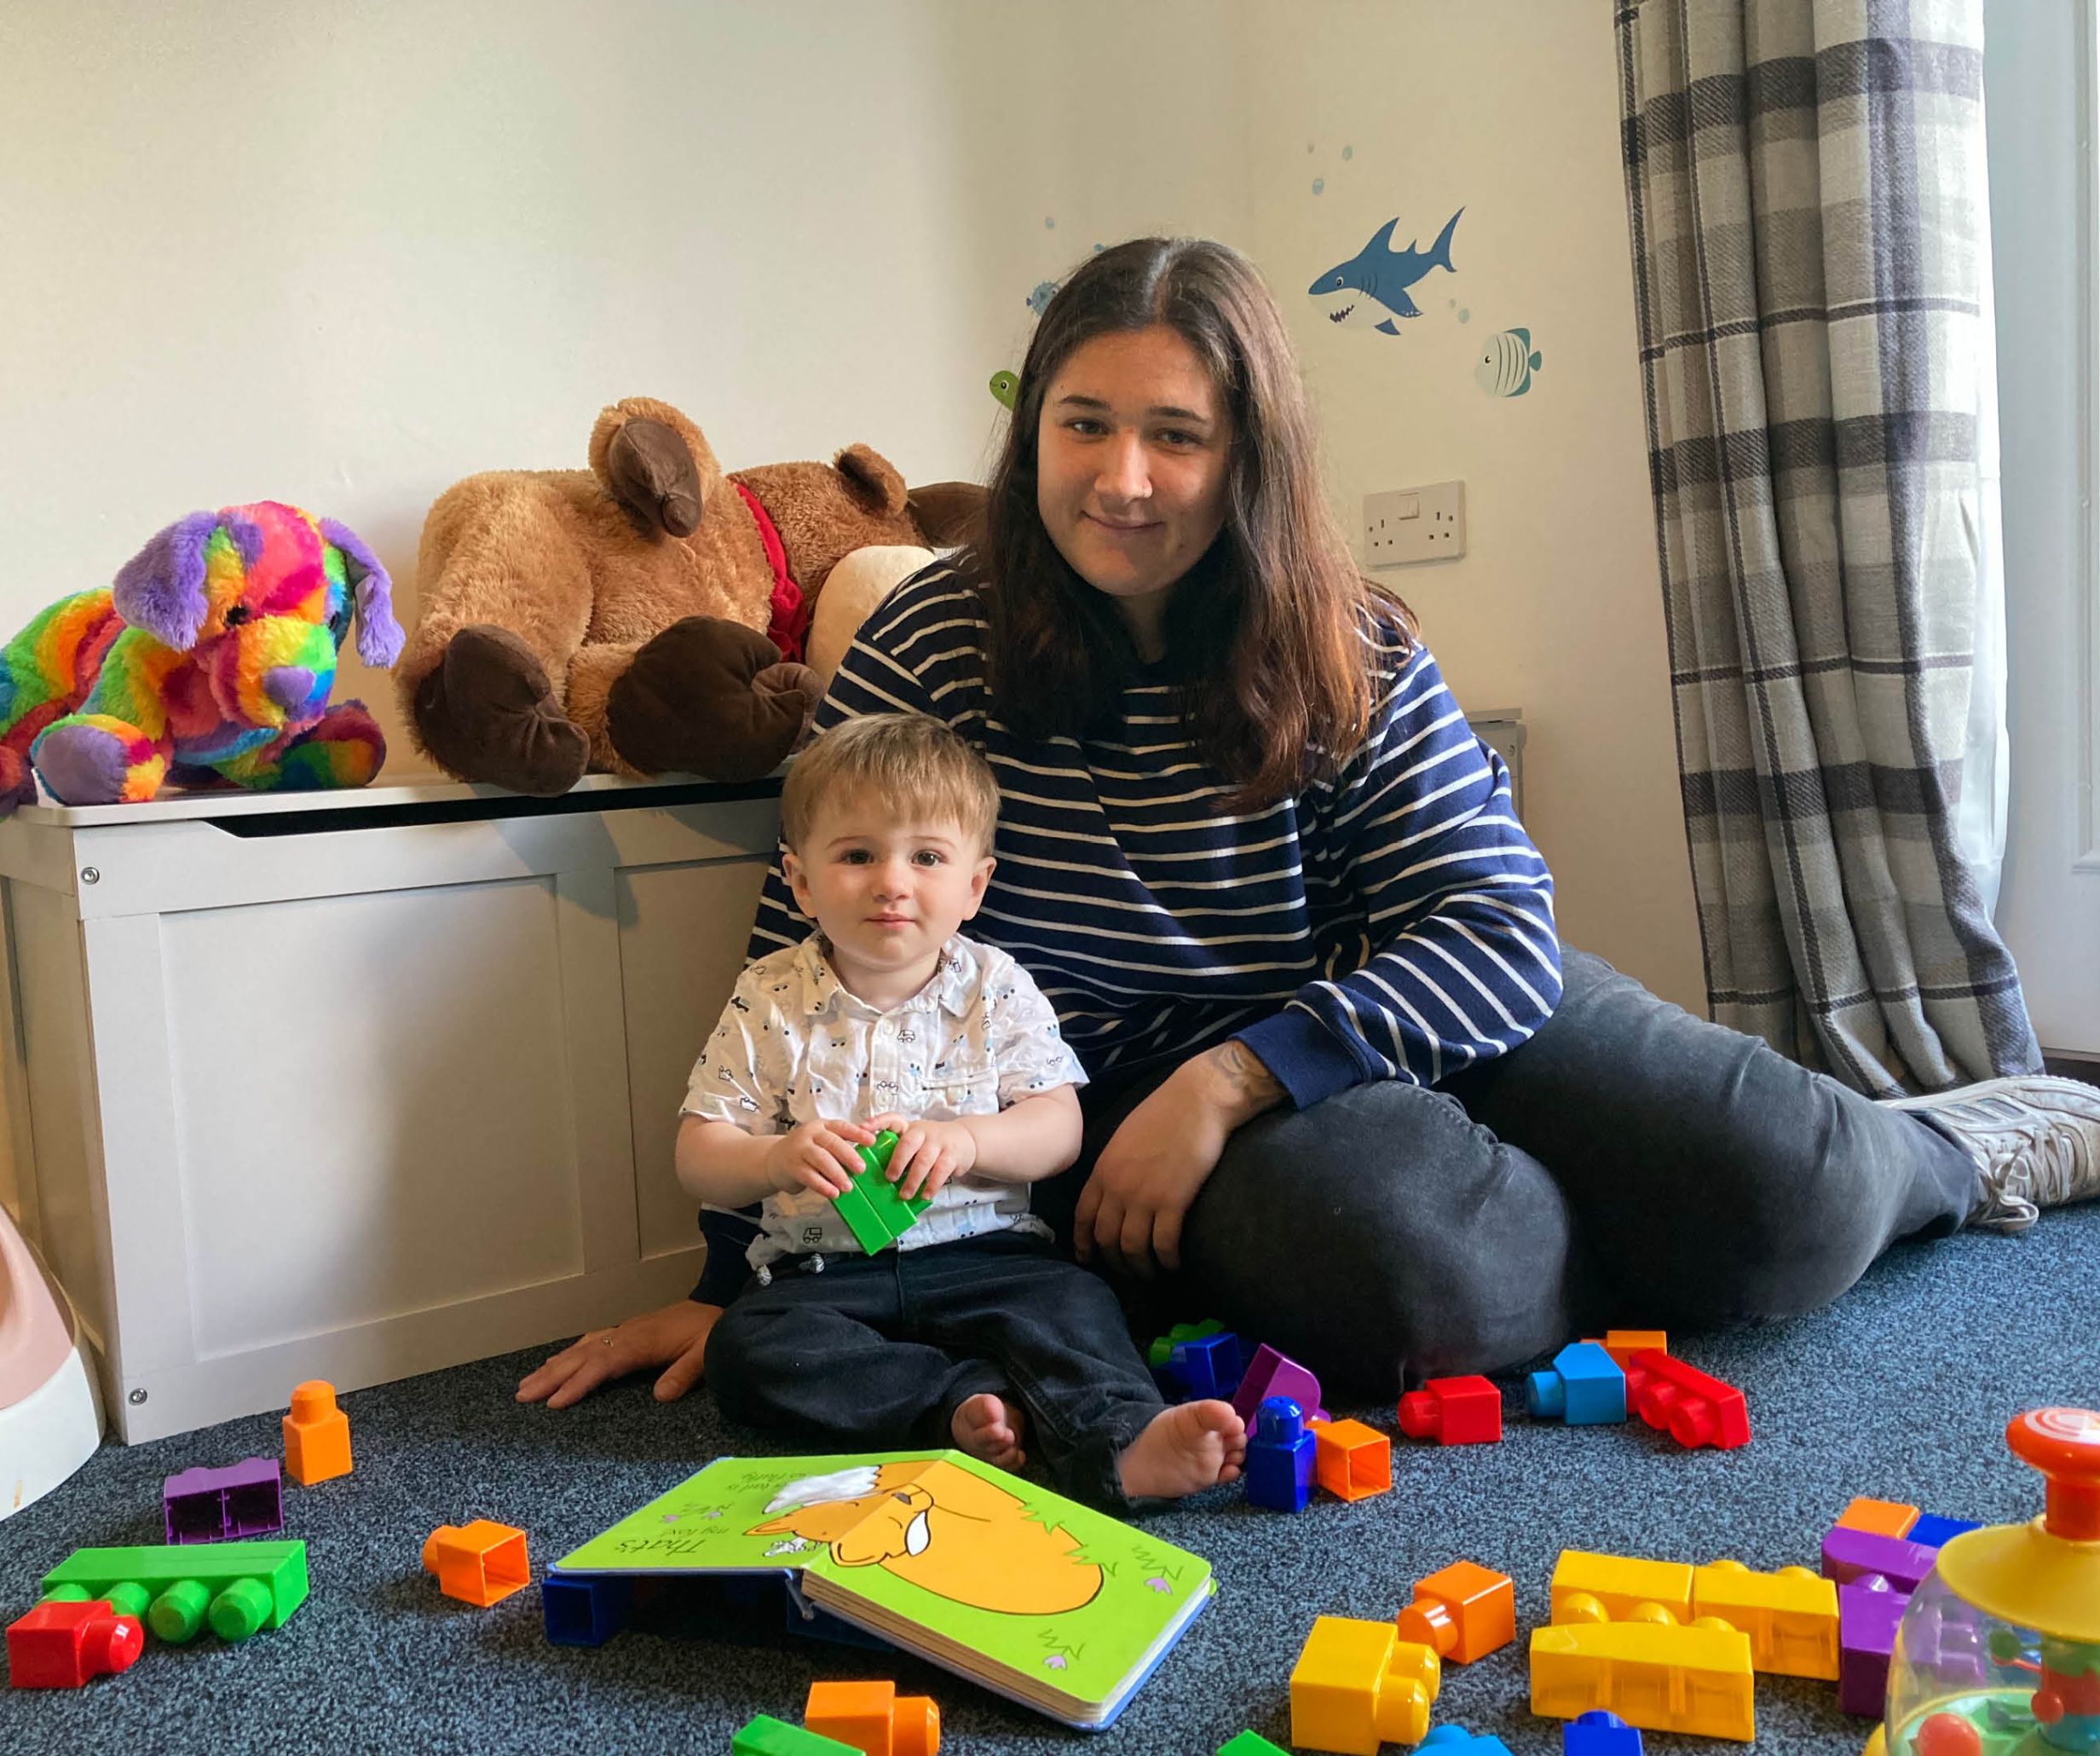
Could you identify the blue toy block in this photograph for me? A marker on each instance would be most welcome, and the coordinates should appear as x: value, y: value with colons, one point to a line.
x: 585, y: 1612
x: 1585, y: 1387
x: 1598, y: 1733
x: 1210, y: 1366
x: 1931, y: 1530
x: 1457, y: 1738
x: 1279, y: 1456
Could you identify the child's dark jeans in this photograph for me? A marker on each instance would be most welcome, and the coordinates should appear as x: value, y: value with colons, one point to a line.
x: 875, y: 1353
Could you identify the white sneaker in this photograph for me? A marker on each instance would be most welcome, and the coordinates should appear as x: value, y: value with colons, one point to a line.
x: 2036, y: 1139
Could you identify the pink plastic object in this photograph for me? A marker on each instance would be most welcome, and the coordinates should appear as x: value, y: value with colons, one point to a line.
x: 243, y: 1499
x: 1269, y: 1373
x: 51, y: 1409
x: 34, y: 1340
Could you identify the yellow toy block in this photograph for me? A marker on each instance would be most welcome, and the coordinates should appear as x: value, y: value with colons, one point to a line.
x: 1695, y: 1679
x: 1622, y: 1344
x: 1613, y: 1588
x: 1791, y: 1616
x: 1883, y: 1518
x: 1351, y: 1460
x: 1358, y: 1684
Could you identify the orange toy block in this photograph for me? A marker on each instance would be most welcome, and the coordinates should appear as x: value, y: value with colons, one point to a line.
x: 1622, y: 1344
x: 1883, y: 1518
x: 317, y: 1435
x: 874, y: 1718
x: 1462, y: 1613
x: 1351, y: 1460
x: 480, y: 1563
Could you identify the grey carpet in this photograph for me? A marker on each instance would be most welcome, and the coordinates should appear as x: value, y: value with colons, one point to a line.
x: 1901, y: 1390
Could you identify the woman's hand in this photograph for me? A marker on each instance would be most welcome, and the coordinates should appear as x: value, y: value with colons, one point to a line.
x: 675, y: 1338
x: 1132, y: 1206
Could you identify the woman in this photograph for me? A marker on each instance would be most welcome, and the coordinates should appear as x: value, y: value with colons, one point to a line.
x: 1348, y: 1095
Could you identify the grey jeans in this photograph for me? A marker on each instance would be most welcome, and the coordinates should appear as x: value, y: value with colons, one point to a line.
x: 1628, y: 1165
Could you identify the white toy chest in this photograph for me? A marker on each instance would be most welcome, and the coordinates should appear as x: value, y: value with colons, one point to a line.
x: 360, y: 1084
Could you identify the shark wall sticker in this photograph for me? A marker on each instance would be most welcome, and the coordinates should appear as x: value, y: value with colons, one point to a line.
x: 1370, y: 290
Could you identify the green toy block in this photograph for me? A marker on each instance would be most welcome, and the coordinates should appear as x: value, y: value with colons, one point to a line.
x: 1161, y: 1351
x: 768, y: 1736
x: 1250, y: 1744
x: 238, y: 1587
x: 872, y: 1210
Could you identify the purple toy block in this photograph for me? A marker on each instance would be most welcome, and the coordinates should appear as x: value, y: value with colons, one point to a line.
x: 1847, y: 1554
x: 1868, y: 1610
x: 1950, y: 1647
x: 1278, y: 1470
x: 205, y: 1505
x: 1269, y: 1373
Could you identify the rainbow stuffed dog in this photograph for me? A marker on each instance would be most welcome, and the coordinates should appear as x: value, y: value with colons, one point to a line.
x: 208, y: 662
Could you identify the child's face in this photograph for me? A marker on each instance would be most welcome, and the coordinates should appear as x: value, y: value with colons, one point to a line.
x: 887, y: 891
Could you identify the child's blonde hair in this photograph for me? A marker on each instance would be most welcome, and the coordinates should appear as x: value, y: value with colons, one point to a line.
x: 914, y: 764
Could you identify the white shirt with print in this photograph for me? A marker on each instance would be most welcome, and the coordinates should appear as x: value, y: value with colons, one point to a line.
x: 794, y: 1045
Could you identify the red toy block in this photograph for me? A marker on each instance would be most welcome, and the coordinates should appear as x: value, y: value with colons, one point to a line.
x: 1462, y: 1613
x: 60, y: 1645
x: 1693, y: 1408
x: 1465, y: 1411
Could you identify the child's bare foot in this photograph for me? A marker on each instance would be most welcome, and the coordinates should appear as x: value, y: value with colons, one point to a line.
x: 1196, y: 1445
x: 989, y: 1428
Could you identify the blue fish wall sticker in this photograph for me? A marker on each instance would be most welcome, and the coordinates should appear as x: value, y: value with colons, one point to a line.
x: 1370, y: 290
x: 1507, y: 363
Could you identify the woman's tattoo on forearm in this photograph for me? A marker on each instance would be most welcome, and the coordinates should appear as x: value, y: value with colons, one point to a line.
x: 1245, y: 1069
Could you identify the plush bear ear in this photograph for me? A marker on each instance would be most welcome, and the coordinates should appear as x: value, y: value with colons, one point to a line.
x: 161, y: 589
x: 379, y: 635
x: 872, y: 479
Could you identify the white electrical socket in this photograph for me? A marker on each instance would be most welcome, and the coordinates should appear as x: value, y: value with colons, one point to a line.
x: 1409, y: 524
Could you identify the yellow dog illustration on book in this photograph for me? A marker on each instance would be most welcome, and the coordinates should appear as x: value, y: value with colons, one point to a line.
x: 943, y: 1529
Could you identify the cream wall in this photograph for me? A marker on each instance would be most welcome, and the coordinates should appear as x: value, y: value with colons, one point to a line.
x: 344, y: 255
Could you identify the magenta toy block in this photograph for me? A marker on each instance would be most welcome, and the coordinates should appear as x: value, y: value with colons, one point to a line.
x: 1269, y: 1373
x: 205, y: 1505
x: 1868, y: 1610
x: 1847, y: 1554
x: 1599, y: 1733
x: 1279, y: 1456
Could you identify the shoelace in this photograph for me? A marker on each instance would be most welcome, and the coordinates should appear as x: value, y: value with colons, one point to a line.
x: 2038, y: 1166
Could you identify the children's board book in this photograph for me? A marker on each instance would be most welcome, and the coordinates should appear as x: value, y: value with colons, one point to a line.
x: 1035, y: 1597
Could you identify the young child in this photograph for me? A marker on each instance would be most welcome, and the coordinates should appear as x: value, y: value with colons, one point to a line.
x: 972, y: 1330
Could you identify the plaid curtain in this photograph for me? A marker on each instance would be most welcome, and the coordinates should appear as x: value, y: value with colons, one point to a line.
x: 1805, y: 180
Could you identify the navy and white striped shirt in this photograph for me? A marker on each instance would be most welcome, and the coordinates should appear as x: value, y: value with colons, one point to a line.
x: 1394, y: 922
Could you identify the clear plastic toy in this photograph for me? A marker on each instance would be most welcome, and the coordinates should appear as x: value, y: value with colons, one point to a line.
x: 1999, y: 1651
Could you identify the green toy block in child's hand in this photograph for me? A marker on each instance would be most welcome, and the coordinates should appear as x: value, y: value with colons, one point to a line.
x: 872, y: 1210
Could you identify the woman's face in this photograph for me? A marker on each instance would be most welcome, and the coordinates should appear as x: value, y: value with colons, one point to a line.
x: 1131, y: 454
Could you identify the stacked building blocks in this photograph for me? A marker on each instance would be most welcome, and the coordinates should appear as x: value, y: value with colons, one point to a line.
x: 1278, y: 1469
x: 1622, y: 1344
x: 1655, y: 1675
x: 206, y: 1505
x: 1599, y: 1733
x: 1883, y: 1518
x: 872, y: 1210
x: 317, y: 1435
x: 1615, y: 1588
x: 1269, y: 1373
x: 874, y: 1718
x: 1583, y: 1387
x: 480, y: 1563
x: 1457, y: 1738
x: 1461, y: 1613
x: 1196, y: 1360
x: 240, y: 1587
x: 1869, y: 1609
x: 1461, y: 1411
x: 1693, y: 1408
x: 765, y: 1736
x: 1351, y: 1460
x: 1790, y: 1616
x: 63, y: 1644
x: 1249, y: 1743
x: 1357, y: 1686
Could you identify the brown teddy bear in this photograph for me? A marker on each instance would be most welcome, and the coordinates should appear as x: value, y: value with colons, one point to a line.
x: 645, y: 614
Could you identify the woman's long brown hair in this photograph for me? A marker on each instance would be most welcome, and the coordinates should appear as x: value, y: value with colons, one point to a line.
x: 1264, y: 634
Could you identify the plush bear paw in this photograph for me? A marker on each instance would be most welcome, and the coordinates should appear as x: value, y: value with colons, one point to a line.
x: 487, y: 713
x: 709, y: 697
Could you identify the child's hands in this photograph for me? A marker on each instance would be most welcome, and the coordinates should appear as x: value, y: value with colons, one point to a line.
x: 818, y: 1156
x: 928, y: 1155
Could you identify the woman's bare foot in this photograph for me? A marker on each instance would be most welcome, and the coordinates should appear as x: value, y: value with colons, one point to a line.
x: 1194, y: 1446
x: 989, y: 1428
